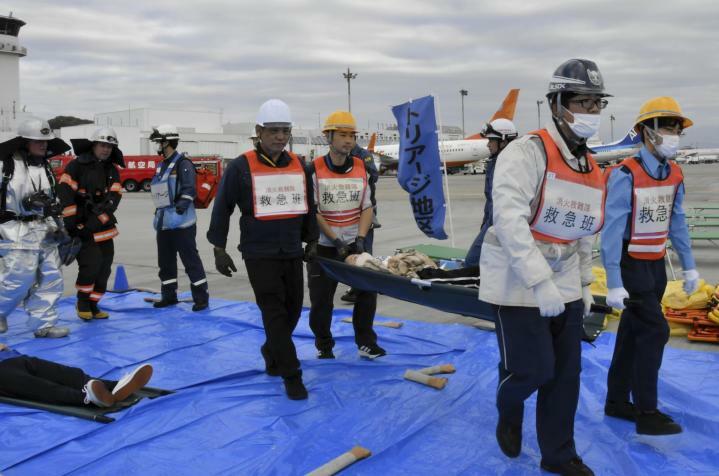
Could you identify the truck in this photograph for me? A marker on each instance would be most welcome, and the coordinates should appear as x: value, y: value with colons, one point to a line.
x: 139, y: 169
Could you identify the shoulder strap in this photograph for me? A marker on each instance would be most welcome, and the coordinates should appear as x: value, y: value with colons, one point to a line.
x: 8, y: 169
x: 50, y: 177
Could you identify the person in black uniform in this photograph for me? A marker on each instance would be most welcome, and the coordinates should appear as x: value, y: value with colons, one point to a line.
x: 90, y: 192
x: 344, y: 216
x: 351, y: 294
x: 274, y: 193
x: 173, y: 193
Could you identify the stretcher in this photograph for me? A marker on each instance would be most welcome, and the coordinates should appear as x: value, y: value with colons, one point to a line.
x: 92, y: 413
x: 443, y: 297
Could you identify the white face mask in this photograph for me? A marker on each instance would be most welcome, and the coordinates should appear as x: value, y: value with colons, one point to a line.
x: 585, y: 125
x: 669, y: 146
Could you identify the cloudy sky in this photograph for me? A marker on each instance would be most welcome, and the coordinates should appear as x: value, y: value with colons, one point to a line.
x: 87, y: 56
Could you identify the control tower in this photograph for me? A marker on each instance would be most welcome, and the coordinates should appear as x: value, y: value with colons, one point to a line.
x: 10, y: 54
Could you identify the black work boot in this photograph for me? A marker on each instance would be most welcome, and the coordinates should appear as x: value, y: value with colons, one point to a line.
x: 509, y: 438
x: 623, y: 410
x: 573, y: 467
x: 166, y: 301
x: 201, y: 299
x: 349, y: 296
x: 84, y: 311
x: 98, y: 313
x: 325, y: 354
x: 270, y: 365
x: 295, y: 388
x: 656, y: 423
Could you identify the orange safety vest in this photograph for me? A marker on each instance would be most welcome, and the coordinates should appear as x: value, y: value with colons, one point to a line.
x: 652, y: 205
x: 571, y: 203
x: 340, y: 195
x: 278, y: 193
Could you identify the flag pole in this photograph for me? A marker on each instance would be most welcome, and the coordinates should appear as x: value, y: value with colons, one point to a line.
x: 448, y: 204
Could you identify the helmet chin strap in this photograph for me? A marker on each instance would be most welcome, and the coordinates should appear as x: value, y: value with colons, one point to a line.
x: 573, y: 141
x: 655, y: 139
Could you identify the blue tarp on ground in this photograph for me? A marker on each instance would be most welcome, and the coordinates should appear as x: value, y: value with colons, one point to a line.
x: 228, y: 417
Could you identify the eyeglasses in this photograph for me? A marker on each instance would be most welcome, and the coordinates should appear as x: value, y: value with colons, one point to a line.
x: 591, y: 102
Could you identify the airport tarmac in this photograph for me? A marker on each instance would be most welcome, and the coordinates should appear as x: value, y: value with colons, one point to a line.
x: 135, y: 248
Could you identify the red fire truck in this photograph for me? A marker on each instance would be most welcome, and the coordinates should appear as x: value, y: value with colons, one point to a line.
x: 139, y: 169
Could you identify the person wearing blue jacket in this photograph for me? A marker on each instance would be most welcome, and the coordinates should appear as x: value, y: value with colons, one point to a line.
x: 499, y: 133
x: 173, y: 193
x: 643, y: 208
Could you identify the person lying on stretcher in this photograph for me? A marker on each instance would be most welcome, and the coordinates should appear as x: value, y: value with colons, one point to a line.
x: 31, y: 378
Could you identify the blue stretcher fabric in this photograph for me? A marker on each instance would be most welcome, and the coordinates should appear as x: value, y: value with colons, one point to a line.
x: 228, y: 417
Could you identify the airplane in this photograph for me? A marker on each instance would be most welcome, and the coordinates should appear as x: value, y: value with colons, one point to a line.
x: 624, y: 147
x: 453, y: 153
x: 697, y: 156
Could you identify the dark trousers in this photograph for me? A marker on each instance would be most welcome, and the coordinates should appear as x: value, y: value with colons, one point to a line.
x: 643, y: 332
x: 42, y: 381
x: 475, y: 250
x: 182, y: 241
x: 278, y: 285
x: 541, y: 354
x: 322, y: 293
x: 94, y: 263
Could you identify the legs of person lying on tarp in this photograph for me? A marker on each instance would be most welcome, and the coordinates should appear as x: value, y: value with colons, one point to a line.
x: 541, y: 354
x: 643, y: 332
x: 42, y: 381
x: 278, y: 285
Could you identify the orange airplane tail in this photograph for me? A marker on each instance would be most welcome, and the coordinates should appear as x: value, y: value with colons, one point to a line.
x: 505, y: 111
x: 372, y: 141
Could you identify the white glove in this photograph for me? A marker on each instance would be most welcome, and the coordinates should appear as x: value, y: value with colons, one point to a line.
x: 549, y: 300
x: 616, y: 297
x: 691, y: 281
x: 588, y: 300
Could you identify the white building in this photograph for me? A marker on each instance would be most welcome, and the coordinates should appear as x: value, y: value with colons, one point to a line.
x: 205, y: 122
x: 11, y: 112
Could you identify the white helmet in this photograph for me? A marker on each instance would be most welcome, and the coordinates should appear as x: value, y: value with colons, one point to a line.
x: 35, y: 129
x: 274, y: 111
x: 106, y: 135
x: 165, y: 132
x: 502, y: 129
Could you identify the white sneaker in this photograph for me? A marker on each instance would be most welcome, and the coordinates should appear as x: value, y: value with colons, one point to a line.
x: 96, y: 393
x: 132, y: 382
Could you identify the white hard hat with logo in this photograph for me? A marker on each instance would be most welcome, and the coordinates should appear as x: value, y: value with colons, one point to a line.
x: 502, y: 129
x: 164, y: 132
x: 35, y: 128
x: 106, y: 135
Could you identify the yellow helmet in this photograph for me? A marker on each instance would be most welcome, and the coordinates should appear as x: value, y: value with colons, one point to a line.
x: 663, y: 106
x: 340, y: 120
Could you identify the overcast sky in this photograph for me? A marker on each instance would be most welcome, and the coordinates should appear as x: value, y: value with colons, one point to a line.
x: 86, y: 57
